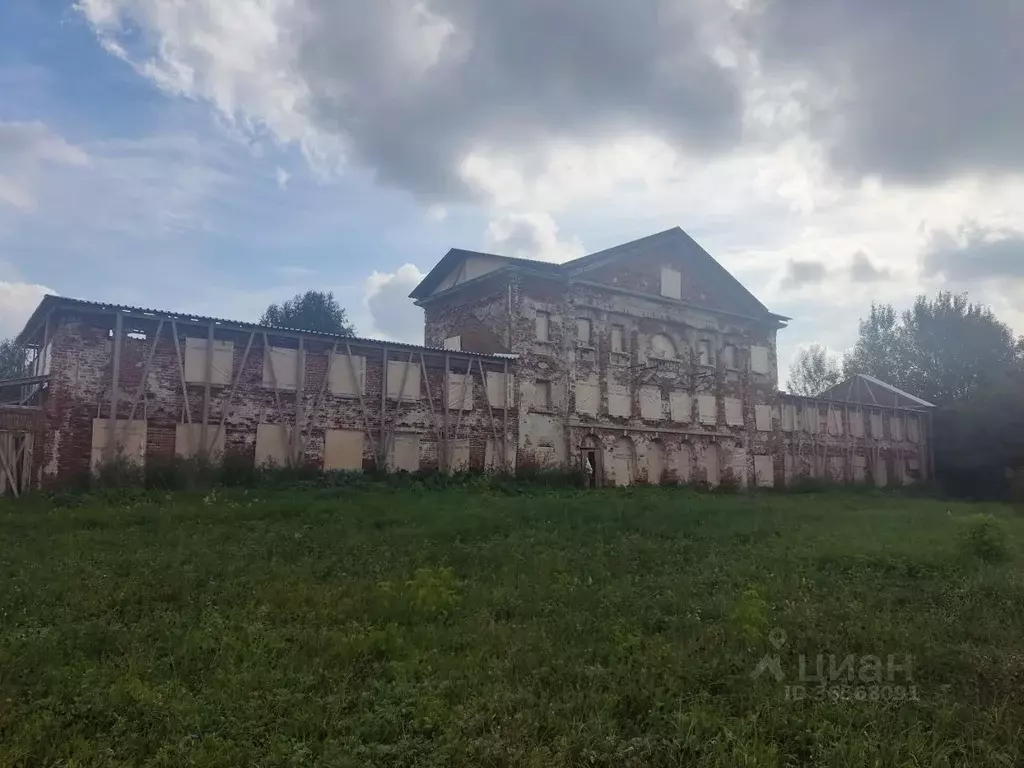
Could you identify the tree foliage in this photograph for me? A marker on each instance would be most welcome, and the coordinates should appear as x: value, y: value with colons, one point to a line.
x: 815, y: 371
x: 12, y: 360
x: 944, y: 350
x: 316, y: 311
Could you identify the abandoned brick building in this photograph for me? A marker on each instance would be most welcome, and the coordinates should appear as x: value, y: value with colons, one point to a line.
x: 646, y: 362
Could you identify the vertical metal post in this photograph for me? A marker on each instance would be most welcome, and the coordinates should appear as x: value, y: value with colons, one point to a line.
x: 207, y: 381
x: 509, y: 391
x: 184, y: 385
x: 115, y: 381
x: 300, y: 392
x: 444, y: 410
x: 382, y: 449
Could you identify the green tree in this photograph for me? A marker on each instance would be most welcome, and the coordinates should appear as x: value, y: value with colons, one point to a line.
x: 12, y: 360
x: 315, y: 311
x: 945, y: 349
x: 814, y: 371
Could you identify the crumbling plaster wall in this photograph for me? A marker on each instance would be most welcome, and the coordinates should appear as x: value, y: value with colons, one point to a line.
x: 82, y: 382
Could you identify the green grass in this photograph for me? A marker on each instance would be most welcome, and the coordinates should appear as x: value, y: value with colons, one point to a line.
x: 393, y: 627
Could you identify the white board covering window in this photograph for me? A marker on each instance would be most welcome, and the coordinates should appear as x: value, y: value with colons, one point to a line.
x: 763, y: 418
x: 707, y: 409
x: 788, y: 417
x: 734, y: 412
x: 453, y: 343
x: 405, y: 452
x: 404, y: 380
x: 619, y: 402
x: 348, y: 375
x: 764, y: 471
x: 460, y: 391
x: 671, y: 283
x: 704, y: 352
x: 497, y: 391
x: 281, y: 368
x: 759, y: 360
x: 588, y: 396
x: 583, y: 331
x: 542, y: 395
x: 618, y: 336
x: 195, y: 361
x: 128, y: 442
x: 680, y: 405
x: 460, y: 455
x: 543, y: 326
x: 343, y: 449
x: 650, y: 403
x: 272, y: 445
x: 188, y: 440
x: 495, y: 461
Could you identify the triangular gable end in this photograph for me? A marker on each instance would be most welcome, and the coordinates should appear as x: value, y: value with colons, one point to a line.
x: 637, y: 266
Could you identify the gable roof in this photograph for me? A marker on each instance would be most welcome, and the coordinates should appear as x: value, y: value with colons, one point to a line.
x: 456, y: 256
x: 867, y: 390
x: 670, y: 243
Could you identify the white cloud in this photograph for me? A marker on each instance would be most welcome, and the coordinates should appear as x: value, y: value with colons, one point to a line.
x: 17, y: 302
x: 26, y: 149
x: 282, y: 176
x: 531, y: 235
x: 394, y: 316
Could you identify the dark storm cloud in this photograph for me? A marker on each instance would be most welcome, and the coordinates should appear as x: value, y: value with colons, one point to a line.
x: 803, y: 272
x: 914, y: 90
x: 510, y: 76
x: 862, y: 270
x: 977, y: 257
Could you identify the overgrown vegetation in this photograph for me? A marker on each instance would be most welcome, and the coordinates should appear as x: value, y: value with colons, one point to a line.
x: 362, y: 624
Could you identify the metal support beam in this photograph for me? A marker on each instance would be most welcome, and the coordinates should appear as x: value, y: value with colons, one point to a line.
x: 184, y: 386
x: 300, y: 393
x: 382, y: 448
x: 145, y: 376
x: 207, y: 382
x: 115, y: 383
x: 231, y: 396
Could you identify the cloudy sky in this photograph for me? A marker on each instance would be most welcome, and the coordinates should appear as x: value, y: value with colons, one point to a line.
x: 216, y: 155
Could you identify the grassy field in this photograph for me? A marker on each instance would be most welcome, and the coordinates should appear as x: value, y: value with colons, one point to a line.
x: 388, y: 627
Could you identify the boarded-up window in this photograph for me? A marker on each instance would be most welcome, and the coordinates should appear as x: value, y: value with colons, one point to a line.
x: 759, y: 360
x: 856, y: 423
x: 404, y: 378
x: 188, y: 440
x: 583, y: 331
x: 704, y: 352
x: 860, y: 468
x: 460, y: 391
x: 913, y: 429
x: 493, y: 460
x: 272, y: 445
x: 128, y: 442
x: 788, y: 417
x: 496, y: 389
x: 542, y: 395
x: 707, y: 409
x: 348, y: 375
x: 619, y: 401
x: 195, y: 361
x: 837, y: 468
x: 896, y: 427
x: 588, y: 396
x: 650, y: 403
x: 662, y: 347
x: 835, y: 422
x: 459, y: 455
x: 453, y: 342
x: 618, y: 338
x: 543, y: 326
x: 280, y: 368
x: 343, y: 449
x: 810, y: 419
x: 671, y: 283
x: 763, y: 418
x: 405, y: 452
x: 680, y: 405
x: 764, y: 471
x: 734, y: 412
x: 729, y: 357
x: 876, y: 425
